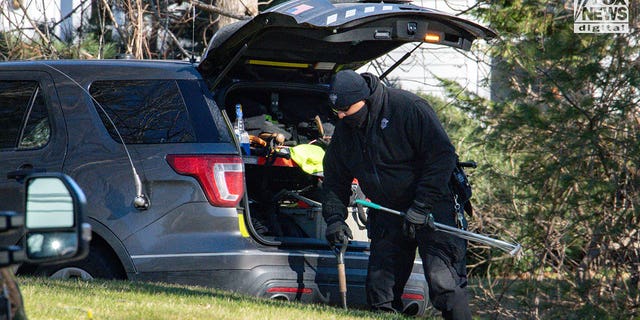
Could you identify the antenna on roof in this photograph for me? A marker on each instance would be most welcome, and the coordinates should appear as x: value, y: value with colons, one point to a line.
x: 140, y: 201
x: 193, y: 34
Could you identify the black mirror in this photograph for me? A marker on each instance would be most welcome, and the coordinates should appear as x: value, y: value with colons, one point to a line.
x: 54, y: 213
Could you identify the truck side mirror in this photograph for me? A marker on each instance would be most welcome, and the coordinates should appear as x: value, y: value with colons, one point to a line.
x: 54, y: 219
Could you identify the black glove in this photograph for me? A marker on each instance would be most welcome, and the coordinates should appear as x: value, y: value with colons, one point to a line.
x: 416, y: 218
x: 337, y: 231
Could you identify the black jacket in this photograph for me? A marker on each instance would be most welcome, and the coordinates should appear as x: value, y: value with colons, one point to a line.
x: 402, y: 156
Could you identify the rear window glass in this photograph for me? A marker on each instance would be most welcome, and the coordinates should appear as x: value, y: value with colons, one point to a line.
x: 23, y: 116
x: 144, y: 111
x: 37, y: 130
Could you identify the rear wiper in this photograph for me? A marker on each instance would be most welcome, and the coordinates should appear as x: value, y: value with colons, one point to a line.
x: 401, y: 60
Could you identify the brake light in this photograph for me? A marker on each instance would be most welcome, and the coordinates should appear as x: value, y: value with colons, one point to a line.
x: 412, y: 296
x: 220, y: 176
x: 289, y: 290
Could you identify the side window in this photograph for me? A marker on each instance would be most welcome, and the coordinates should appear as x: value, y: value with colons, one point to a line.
x: 23, y: 116
x: 143, y: 111
x: 37, y: 131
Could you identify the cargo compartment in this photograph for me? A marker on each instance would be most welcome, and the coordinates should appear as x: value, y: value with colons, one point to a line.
x: 284, y: 199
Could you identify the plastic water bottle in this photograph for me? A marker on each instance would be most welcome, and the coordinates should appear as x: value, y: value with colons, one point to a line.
x: 241, y: 133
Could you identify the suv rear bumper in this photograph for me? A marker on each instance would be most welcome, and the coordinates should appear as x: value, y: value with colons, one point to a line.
x: 272, y: 273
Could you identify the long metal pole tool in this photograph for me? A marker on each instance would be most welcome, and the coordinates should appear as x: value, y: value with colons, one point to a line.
x: 513, y: 249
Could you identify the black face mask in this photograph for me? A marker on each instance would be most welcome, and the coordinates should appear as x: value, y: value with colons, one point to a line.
x: 358, y: 119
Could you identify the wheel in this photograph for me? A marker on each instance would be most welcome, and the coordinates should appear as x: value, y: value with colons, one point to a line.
x: 99, y: 263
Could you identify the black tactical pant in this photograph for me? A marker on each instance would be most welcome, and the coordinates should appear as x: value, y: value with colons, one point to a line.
x: 392, y: 258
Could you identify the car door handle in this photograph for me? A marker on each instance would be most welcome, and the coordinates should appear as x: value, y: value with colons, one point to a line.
x: 23, y: 172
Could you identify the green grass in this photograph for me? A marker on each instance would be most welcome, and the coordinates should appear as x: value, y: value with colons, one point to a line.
x: 73, y: 299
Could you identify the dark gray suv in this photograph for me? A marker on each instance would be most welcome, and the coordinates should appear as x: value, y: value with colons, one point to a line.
x: 172, y: 198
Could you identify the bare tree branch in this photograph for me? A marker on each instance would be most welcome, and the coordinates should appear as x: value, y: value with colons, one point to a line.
x: 247, y: 8
x: 68, y: 15
x: 33, y: 24
x: 177, y: 42
x: 213, y: 9
x: 122, y: 32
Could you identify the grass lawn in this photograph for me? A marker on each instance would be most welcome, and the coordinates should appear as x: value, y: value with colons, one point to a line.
x: 56, y: 299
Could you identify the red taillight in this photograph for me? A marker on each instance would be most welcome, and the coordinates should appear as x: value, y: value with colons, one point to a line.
x: 412, y: 296
x: 220, y: 176
x: 289, y: 290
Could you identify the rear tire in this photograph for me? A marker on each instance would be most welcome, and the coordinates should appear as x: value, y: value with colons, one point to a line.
x: 99, y: 263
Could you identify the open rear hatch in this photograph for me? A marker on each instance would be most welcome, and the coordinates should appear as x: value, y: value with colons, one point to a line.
x: 278, y: 66
x: 306, y: 40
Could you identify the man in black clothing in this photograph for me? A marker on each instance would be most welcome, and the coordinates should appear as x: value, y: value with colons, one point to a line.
x: 392, y: 141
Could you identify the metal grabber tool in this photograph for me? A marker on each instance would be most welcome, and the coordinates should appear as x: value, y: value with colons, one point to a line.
x: 342, y: 278
x: 513, y: 249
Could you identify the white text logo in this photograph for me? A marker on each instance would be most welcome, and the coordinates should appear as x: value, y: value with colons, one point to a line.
x: 600, y: 16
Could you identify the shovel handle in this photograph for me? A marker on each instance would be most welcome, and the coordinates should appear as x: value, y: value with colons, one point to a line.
x: 342, y: 281
x: 342, y: 277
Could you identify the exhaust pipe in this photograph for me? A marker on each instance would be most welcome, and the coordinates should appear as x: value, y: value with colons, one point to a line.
x: 279, y: 297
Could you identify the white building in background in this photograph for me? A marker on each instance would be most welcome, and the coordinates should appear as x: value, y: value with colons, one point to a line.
x: 45, y: 15
x: 419, y: 73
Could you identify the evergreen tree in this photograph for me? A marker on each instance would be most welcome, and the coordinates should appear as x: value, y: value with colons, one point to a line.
x: 564, y: 167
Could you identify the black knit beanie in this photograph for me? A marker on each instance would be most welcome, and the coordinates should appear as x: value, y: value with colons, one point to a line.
x: 347, y: 88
